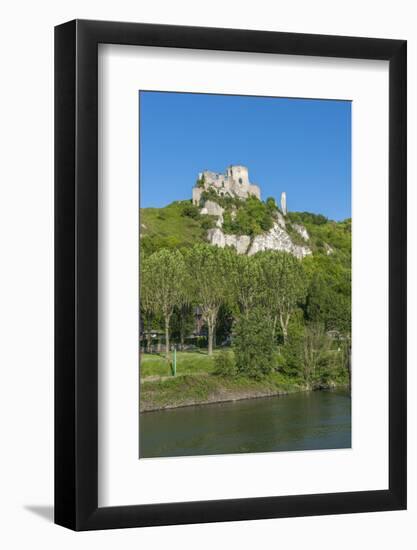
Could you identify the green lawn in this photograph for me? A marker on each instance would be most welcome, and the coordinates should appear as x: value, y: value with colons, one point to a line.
x: 188, y: 362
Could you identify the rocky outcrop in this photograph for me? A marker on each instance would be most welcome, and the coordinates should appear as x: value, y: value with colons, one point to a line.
x: 218, y: 238
x: 275, y: 239
x: 302, y: 231
x: 211, y: 208
x: 281, y: 220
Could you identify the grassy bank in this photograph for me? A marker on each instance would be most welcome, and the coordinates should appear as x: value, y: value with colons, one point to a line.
x: 196, y: 383
x: 188, y: 362
x: 196, y: 390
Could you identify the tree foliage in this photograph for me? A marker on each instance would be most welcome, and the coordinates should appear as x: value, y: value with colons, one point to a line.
x: 253, y: 346
x: 283, y: 287
x: 277, y: 312
x: 162, y: 283
x: 209, y: 282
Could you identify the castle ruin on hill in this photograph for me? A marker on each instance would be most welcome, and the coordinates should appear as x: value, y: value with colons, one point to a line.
x: 234, y: 182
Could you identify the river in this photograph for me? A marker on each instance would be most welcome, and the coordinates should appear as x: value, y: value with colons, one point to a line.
x: 299, y: 421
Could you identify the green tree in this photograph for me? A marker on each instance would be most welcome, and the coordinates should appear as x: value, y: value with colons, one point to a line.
x: 252, y: 344
x: 246, y: 279
x: 271, y: 204
x: 316, y: 346
x: 283, y: 287
x: 146, y: 299
x: 163, y: 280
x: 328, y: 298
x: 291, y: 353
x: 209, y: 282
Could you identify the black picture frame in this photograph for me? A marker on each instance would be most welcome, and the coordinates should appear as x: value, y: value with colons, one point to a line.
x: 76, y: 273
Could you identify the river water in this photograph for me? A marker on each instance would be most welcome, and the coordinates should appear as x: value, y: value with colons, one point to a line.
x: 300, y: 421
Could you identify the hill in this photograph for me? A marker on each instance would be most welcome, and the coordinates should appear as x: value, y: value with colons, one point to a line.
x: 272, y: 314
x: 177, y: 225
x: 180, y: 224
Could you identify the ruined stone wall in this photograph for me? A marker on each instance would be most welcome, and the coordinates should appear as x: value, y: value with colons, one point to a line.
x: 234, y: 182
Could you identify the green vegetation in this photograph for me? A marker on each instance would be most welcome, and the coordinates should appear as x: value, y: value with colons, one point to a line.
x: 225, y: 364
x: 188, y: 362
x: 285, y: 322
x: 177, y: 225
x: 197, y: 383
x: 249, y: 217
x: 324, y: 232
x: 254, y: 346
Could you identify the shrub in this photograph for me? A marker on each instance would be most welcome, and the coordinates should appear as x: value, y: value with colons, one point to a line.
x: 307, y: 217
x: 271, y: 204
x: 252, y: 217
x: 224, y: 364
x: 207, y: 222
x: 191, y: 211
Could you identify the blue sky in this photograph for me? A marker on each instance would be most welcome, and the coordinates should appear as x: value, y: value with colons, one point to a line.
x: 301, y: 146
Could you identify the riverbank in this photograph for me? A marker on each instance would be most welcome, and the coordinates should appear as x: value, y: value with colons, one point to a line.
x: 196, y: 383
x: 189, y: 390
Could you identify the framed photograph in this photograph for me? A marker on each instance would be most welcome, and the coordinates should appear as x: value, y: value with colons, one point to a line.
x: 230, y: 275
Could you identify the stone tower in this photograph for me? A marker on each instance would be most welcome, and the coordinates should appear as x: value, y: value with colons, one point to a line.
x: 234, y: 182
x: 284, y: 203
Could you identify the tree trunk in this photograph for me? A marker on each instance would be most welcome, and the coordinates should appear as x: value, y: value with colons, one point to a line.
x: 284, y: 327
x: 167, y: 337
x: 210, y: 338
x: 211, y: 325
x: 274, y: 328
x: 210, y: 318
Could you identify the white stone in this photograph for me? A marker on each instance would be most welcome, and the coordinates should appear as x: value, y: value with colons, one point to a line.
x: 284, y: 203
x: 240, y: 242
x: 212, y: 208
x: 281, y: 220
x: 302, y: 231
x: 277, y: 239
x: 215, y: 236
